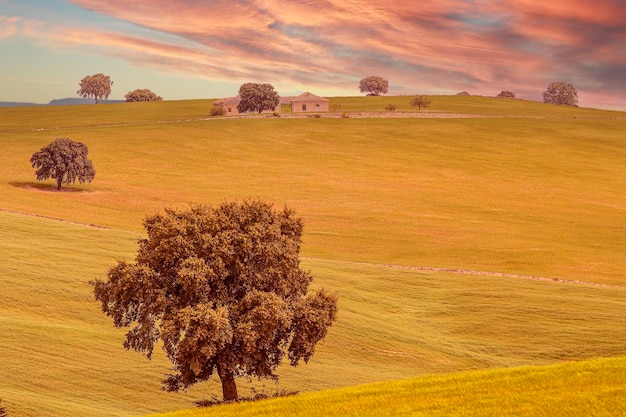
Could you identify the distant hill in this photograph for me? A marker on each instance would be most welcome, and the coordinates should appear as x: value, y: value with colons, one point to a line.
x: 14, y: 104
x: 76, y: 101
x: 59, y: 102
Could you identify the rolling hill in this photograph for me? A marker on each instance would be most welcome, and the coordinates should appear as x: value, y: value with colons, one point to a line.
x: 489, y: 238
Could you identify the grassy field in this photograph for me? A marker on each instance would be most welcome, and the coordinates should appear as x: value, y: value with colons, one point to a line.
x: 61, y: 356
x: 517, y: 195
x: 521, y: 195
x: 592, y: 388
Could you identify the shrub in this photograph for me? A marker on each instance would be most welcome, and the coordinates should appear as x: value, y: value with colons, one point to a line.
x: 142, y: 94
x: 217, y: 111
x: 390, y: 107
x: 506, y: 94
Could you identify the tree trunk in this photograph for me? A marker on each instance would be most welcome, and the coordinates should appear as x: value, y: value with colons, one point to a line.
x: 59, y: 181
x: 229, y: 387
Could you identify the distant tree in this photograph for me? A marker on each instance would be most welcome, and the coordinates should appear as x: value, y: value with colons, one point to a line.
x: 65, y: 161
x: 506, y: 94
x: 223, y: 289
x: 257, y: 98
x: 374, y: 85
x: 420, y: 101
x: 142, y: 94
x: 97, y: 86
x: 561, y: 93
x: 463, y: 93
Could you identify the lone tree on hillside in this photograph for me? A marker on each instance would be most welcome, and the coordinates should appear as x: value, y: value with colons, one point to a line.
x: 257, y: 98
x: 561, y: 93
x: 420, y: 101
x: 64, y: 160
x: 374, y: 85
x: 223, y: 289
x: 97, y: 86
x: 142, y: 94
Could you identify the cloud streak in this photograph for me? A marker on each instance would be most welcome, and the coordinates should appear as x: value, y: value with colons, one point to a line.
x: 326, y: 45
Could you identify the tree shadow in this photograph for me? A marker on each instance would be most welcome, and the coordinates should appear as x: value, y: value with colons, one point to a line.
x: 38, y: 186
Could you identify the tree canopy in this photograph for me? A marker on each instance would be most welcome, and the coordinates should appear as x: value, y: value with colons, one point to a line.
x: 561, y: 93
x: 65, y: 161
x: 420, y: 101
x: 142, y: 94
x: 97, y: 86
x: 257, y: 98
x: 374, y: 85
x: 506, y: 94
x: 223, y: 289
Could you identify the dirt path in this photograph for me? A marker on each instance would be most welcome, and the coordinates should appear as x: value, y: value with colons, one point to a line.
x: 460, y: 271
x: 346, y: 115
x: 41, y: 216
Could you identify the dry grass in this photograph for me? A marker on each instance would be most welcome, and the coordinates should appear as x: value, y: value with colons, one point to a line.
x: 518, y: 195
x: 593, y: 388
x: 61, y: 355
x: 531, y: 196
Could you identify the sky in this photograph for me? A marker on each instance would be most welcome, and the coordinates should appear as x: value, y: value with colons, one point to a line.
x: 208, y: 48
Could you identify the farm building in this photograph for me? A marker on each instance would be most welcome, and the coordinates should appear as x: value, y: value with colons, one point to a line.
x: 306, y: 102
x: 231, y: 103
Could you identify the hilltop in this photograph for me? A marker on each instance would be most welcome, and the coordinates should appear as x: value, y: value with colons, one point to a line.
x: 58, y: 102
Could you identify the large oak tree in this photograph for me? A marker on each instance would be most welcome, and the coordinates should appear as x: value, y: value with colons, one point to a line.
x: 561, y: 93
x: 97, y: 86
x: 223, y: 289
x: 374, y: 85
x: 65, y: 161
x: 257, y: 98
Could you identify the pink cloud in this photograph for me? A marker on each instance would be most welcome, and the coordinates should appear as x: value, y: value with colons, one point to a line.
x: 8, y: 26
x: 439, y: 46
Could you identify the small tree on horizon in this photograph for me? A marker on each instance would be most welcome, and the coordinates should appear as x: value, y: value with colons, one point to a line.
x: 374, y: 85
x: 223, y: 289
x: 142, y: 94
x: 97, y: 86
x: 562, y: 93
x: 257, y: 97
x: 420, y: 101
x: 506, y: 94
x: 65, y: 161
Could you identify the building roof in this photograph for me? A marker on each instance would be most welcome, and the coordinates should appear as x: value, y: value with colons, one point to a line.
x: 308, y: 97
x: 229, y: 101
x: 302, y: 98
